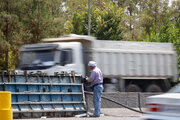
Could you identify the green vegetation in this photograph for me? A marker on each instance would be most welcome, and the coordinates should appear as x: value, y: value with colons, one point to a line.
x: 28, y: 21
x: 106, y: 22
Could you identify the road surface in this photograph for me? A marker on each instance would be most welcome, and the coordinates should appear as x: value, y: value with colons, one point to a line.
x: 109, y: 114
x: 104, y: 118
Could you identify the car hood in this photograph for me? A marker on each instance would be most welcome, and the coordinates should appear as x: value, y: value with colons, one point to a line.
x: 166, y: 98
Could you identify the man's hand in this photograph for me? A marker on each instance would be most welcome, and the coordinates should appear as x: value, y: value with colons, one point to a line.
x: 86, y: 78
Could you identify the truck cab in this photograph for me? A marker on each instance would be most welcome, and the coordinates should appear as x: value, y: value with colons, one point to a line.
x: 52, y: 57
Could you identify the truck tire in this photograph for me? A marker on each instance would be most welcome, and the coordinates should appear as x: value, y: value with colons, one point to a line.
x: 133, y: 88
x: 153, y: 88
x: 110, y: 87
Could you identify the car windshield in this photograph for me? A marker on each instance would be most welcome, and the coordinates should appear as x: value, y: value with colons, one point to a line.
x: 36, y: 57
x: 175, y: 89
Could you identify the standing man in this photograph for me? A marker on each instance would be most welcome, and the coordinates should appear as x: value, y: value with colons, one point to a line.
x: 96, y: 80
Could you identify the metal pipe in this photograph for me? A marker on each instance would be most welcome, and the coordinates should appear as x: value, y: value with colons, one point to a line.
x: 89, y: 18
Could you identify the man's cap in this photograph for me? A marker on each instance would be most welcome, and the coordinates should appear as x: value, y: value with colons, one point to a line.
x: 92, y: 63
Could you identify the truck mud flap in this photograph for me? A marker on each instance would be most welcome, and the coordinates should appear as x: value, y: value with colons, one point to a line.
x: 34, y: 96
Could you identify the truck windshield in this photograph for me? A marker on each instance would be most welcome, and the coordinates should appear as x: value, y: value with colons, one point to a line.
x: 37, y: 59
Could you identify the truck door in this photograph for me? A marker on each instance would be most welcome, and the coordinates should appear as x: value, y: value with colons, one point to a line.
x: 66, y: 60
x: 66, y: 57
x: 71, y: 59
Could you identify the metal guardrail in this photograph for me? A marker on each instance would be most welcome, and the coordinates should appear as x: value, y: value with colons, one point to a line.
x: 36, y: 95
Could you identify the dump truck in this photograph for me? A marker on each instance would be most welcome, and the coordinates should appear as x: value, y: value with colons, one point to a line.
x: 127, y: 66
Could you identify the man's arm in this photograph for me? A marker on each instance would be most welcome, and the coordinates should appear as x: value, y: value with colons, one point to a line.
x: 92, y: 77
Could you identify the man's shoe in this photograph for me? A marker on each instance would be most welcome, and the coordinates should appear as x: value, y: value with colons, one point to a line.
x: 94, y: 115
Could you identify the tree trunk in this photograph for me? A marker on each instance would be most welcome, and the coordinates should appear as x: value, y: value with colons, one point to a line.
x: 6, y: 59
x: 6, y: 35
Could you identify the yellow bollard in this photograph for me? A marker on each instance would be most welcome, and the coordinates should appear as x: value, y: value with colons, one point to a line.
x: 6, y: 112
x: 5, y: 100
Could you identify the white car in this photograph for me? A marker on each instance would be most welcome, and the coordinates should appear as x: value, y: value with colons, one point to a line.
x: 165, y: 106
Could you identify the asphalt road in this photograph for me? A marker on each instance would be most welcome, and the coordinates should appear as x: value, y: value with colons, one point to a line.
x: 109, y: 114
x: 101, y: 118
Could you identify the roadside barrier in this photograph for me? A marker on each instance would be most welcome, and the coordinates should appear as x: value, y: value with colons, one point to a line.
x: 111, y: 100
x: 37, y: 95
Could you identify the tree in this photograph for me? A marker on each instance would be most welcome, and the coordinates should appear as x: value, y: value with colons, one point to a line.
x: 132, y: 16
x: 168, y: 33
x: 106, y: 23
x: 142, y: 15
x: 155, y: 13
x: 36, y: 20
x: 27, y: 22
x: 11, y: 30
x: 176, y: 13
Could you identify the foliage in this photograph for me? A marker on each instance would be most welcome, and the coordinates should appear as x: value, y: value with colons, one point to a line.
x: 106, y: 23
x: 168, y: 33
x: 11, y: 30
x: 27, y: 22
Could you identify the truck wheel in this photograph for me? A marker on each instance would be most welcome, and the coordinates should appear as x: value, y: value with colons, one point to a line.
x: 153, y: 88
x: 110, y: 87
x: 133, y: 88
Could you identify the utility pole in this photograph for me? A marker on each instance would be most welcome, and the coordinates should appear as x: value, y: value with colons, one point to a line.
x: 89, y: 18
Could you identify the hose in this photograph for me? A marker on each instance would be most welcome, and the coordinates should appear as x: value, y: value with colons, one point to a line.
x: 90, y: 93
